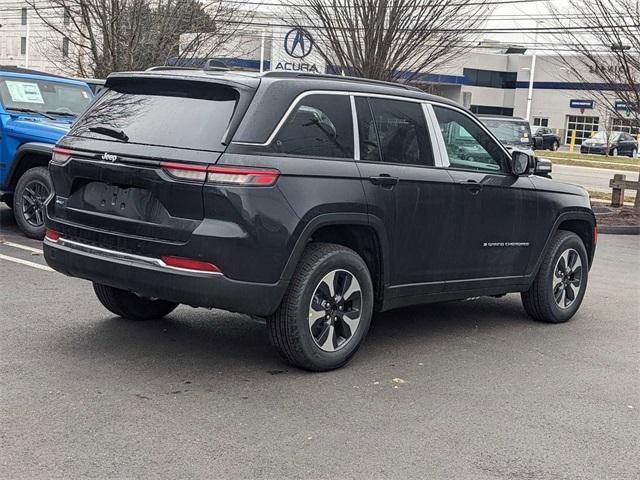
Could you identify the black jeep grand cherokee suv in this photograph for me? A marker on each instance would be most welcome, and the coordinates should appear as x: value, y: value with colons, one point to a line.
x: 311, y: 200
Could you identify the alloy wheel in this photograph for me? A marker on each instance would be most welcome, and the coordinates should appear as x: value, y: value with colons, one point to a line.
x: 567, y: 278
x: 33, y: 197
x: 335, y: 310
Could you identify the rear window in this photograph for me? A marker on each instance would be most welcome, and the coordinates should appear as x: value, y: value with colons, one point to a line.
x: 508, y: 131
x: 170, y: 113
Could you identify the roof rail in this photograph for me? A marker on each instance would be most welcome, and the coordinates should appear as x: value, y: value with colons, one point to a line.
x: 160, y: 68
x: 328, y: 76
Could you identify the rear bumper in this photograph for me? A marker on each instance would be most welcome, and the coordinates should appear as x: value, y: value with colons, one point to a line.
x: 149, y: 277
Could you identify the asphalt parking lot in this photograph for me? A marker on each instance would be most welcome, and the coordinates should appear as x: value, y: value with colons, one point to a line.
x: 480, y: 391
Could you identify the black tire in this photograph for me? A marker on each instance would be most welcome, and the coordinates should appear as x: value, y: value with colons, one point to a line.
x: 290, y: 329
x: 554, y: 146
x: 130, y: 306
x: 614, y: 152
x: 30, y: 216
x: 634, y: 153
x: 540, y: 301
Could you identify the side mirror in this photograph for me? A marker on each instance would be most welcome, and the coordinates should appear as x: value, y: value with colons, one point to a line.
x: 537, y: 142
x: 543, y: 167
x: 521, y: 162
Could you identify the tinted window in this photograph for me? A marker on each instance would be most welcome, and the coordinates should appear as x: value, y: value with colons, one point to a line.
x: 157, y: 112
x: 508, y: 131
x: 44, y: 96
x: 369, y: 143
x: 402, y: 132
x: 320, y: 126
x: 469, y: 147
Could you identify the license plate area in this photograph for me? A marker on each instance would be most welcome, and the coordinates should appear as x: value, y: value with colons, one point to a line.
x: 128, y: 202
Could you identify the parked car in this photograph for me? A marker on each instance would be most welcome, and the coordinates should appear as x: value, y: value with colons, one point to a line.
x: 35, y: 111
x: 513, y: 132
x: 310, y: 200
x: 612, y: 143
x: 545, y: 139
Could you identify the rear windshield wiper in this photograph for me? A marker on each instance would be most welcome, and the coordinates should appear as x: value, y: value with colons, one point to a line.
x: 30, y: 110
x: 110, y: 132
x: 62, y: 114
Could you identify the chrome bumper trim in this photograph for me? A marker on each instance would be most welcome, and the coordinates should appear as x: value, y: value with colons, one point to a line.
x: 116, y: 255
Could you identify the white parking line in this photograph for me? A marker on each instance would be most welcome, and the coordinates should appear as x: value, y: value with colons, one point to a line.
x: 23, y: 247
x: 25, y: 262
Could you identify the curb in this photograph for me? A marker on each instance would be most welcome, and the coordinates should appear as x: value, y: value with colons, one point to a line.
x: 619, y: 229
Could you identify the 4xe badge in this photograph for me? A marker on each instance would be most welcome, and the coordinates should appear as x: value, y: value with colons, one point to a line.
x: 107, y: 157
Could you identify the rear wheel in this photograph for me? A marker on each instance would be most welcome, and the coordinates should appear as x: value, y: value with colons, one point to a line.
x: 326, y: 312
x: 131, y: 306
x: 555, y: 145
x: 559, y: 287
x: 32, y: 191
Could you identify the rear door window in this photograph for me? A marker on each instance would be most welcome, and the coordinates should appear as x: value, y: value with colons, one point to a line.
x: 402, y: 132
x: 157, y: 112
x: 320, y: 126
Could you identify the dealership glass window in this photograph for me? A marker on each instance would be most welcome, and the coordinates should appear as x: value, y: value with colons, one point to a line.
x: 540, y: 122
x: 402, y: 132
x: 23, y: 16
x: 65, y: 47
x: 321, y: 126
x: 23, y: 45
x: 468, y: 146
x: 583, y: 126
x: 626, y: 125
x: 490, y: 78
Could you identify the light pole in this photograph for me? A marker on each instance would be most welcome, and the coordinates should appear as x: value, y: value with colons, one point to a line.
x: 532, y: 72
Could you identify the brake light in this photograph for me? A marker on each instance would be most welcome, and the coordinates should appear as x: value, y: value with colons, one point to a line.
x: 595, y: 234
x: 53, y: 236
x: 60, y: 156
x: 242, y: 176
x: 185, y: 171
x: 188, y: 264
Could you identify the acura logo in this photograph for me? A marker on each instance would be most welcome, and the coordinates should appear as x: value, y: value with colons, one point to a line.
x: 107, y: 157
x: 298, y: 43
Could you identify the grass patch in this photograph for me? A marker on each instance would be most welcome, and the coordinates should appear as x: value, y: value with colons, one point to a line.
x: 597, y: 195
x: 593, y: 161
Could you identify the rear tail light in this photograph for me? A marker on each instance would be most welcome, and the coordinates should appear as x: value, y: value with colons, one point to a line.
x: 221, y: 174
x: 184, y: 171
x: 189, y: 264
x: 595, y: 234
x: 60, y: 156
x: 242, y: 176
x: 53, y: 236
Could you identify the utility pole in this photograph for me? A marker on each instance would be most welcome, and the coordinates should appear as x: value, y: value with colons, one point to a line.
x: 532, y: 72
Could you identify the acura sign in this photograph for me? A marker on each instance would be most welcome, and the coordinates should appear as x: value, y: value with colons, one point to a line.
x: 293, y: 51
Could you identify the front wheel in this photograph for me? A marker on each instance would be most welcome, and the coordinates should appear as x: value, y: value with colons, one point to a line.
x: 131, y: 306
x: 614, y: 152
x: 559, y: 287
x: 555, y: 146
x: 326, y: 312
x: 32, y: 191
x: 634, y: 153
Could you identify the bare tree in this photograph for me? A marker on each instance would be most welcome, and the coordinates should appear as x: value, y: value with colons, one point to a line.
x: 117, y: 35
x: 389, y: 39
x: 604, y: 45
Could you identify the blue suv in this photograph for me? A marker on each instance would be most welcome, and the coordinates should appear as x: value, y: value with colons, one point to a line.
x: 36, y: 110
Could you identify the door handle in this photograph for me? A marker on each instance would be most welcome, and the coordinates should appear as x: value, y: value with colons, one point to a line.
x: 473, y: 186
x: 384, y: 180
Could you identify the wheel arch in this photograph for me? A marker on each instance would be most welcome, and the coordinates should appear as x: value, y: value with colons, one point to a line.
x: 359, y: 232
x: 27, y: 156
x: 582, y: 223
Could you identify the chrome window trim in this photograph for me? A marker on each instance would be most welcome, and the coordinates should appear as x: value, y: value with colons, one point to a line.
x: 356, y: 130
x: 297, y: 100
x: 441, y: 160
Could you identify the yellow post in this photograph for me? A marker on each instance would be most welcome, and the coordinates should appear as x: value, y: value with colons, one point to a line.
x: 573, y: 141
